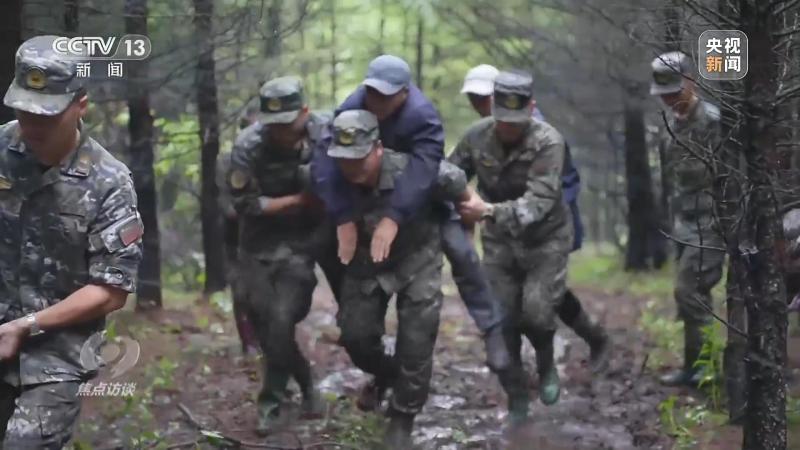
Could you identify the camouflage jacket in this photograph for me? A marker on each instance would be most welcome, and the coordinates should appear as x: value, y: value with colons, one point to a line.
x: 259, y: 170
x: 418, y: 240
x: 524, y: 182
x: 697, y: 135
x: 62, y: 229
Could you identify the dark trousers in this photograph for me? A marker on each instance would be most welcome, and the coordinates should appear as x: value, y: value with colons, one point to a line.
x: 470, y: 276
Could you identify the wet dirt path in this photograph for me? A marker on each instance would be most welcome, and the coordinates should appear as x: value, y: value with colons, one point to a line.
x: 216, y: 386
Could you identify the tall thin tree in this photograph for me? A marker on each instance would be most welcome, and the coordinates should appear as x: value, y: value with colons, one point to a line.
x: 140, y: 128
x: 208, y: 118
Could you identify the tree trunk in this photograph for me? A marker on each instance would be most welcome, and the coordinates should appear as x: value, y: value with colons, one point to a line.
x: 672, y: 27
x: 140, y: 127
x: 273, y: 48
x: 208, y: 118
x: 641, y: 207
x: 763, y: 285
x: 420, y: 47
x: 10, y: 40
x: 334, y: 61
x: 382, y: 28
x: 727, y: 192
x: 71, y: 17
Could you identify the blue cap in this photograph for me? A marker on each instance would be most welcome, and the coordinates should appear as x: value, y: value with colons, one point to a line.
x: 388, y: 74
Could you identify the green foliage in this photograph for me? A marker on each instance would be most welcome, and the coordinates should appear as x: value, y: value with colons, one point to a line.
x: 357, y: 429
x: 710, y: 363
x: 793, y: 410
x: 602, y: 268
x: 665, y: 331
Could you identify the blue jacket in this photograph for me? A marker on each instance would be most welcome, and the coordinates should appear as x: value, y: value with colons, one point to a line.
x: 571, y: 186
x: 415, y: 129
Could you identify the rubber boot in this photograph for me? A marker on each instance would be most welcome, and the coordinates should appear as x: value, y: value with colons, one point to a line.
x: 549, y: 384
x: 398, y: 433
x: 313, y: 404
x: 594, y: 335
x: 518, y: 408
x: 371, y: 395
x: 688, y: 375
x: 497, y: 356
x: 273, y: 392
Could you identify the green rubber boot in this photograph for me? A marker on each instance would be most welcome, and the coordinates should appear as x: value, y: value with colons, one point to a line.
x: 273, y: 392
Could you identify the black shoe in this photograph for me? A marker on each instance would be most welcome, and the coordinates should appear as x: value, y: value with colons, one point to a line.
x: 398, y: 433
x: 371, y: 396
x: 497, y: 356
x: 682, y: 377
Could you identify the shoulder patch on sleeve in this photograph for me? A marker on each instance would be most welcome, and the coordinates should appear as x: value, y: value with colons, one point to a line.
x: 131, y: 231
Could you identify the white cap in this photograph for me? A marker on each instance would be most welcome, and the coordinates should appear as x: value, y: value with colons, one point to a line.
x: 480, y: 80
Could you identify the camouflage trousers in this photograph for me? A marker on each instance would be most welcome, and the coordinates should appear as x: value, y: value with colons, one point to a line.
x: 279, y: 295
x: 38, y: 417
x: 698, y: 271
x: 530, y: 282
x: 362, y: 311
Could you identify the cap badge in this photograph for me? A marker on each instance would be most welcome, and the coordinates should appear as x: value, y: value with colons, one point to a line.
x: 274, y: 104
x: 512, y: 102
x: 35, y: 79
x: 346, y: 137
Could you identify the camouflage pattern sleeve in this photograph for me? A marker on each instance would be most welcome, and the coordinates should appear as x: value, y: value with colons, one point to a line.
x: 115, y: 238
x: 461, y: 157
x: 451, y: 183
x: 543, y: 186
x: 244, y: 190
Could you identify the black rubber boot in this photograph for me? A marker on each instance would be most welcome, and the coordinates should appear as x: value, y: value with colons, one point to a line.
x: 688, y: 375
x: 599, y: 344
x: 371, y: 395
x: 398, y: 433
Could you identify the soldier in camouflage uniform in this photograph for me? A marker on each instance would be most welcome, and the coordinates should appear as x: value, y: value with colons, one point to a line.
x: 70, y: 245
x: 230, y: 231
x: 696, y: 127
x: 412, y: 271
x: 283, y: 233
x: 479, y: 86
x: 527, y: 233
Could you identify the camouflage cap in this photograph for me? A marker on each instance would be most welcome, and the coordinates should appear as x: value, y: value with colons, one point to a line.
x: 45, y: 82
x: 354, y: 133
x: 282, y: 99
x: 669, y: 70
x: 513, y: 92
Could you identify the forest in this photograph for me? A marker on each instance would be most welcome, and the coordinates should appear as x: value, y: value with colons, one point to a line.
x: 173, y: 116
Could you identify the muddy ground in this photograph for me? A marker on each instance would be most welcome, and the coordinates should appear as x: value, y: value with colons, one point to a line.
x: 192, y: 374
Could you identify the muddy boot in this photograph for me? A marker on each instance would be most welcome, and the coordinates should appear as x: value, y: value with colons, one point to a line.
x: 549, y: 384
x: 398, y: 433
x: 688, y: 375
x: 518, y: 407
x: 313, y: 404
x: 273, y: 391
x: 371, y: 395
x: 497, y: 356
x: 594, y: 335
x: 268, y: 418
